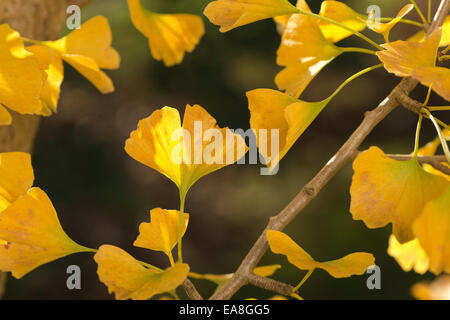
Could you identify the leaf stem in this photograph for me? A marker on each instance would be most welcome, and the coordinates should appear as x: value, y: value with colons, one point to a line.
x: 405, y: 21
x: 331, y: 21
x: 360, y: 50
x: 180, y: 226
x: 417, y: 140
x: 419, y: 11
x: 306, y: 277
x: 440, y: 108
x: 32, y: 41
x: 427, y: 99
x: 429, y: 11
x: 353, y: 77
x: 440, y: 134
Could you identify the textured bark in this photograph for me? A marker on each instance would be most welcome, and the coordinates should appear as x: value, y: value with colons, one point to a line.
x: 39, y: 20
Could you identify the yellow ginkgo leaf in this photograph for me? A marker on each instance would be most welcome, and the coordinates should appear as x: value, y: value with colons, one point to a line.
x: 21, y: 77
x: 88, y: 50
x: 92, y: 40
x: 352, y: 264
x: 90, y: 70
x: 438, y: 289
x: 230, y: 14
x: 432, y: 228
x: 409, y: 255
x: 55, y: 76
x: 16, y: 177
x: 385, y: 28
x: 161, y: 234
x: 418, y: 59
x: 387, y: 191
x: 437, y: 77
x: 402, y: 57
x: 303, y: 51
x: 129, y: 279
x: 274, y: 110
x: 33, y: 233
x: 266, y: 271
x: 184, y: 153
x: 343, y: 14
x: 170, y: 36
x: 445, y: 40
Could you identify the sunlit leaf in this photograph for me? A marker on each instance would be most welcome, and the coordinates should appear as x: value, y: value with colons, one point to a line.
x: 52, y: 63
x: 184, y: 153
x: 230, y: 14
x: 273, y: 110
x: 343, y: 14
x: 437, y: 77
x: 21, y: 77
x: 387, y: 191
x: 432, y: 228
x: 89, y: 50
x: 129, y: 279
x: 402, y: 57
x: 170, y: 36
x: 352, y: 264
x: 161, y: 234
x: 304, y: 52
x: 16, y: 177
x: 92, y: 40
x: 409, y: 255
x: 31, y: 227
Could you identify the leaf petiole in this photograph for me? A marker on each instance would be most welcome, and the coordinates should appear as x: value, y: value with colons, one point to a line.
x: 419, y: 11
x: 306, y: 277
x: 353, y: 77
x: 331, y: 21
x: 440, y: 134
x: 180, y: 226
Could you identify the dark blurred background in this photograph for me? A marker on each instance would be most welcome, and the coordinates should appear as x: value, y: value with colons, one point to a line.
x: 102, y: 194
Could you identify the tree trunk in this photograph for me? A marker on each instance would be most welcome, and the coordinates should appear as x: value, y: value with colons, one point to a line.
x: 39, y: 20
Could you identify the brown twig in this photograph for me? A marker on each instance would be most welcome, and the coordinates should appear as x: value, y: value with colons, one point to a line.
x: 309, y: 192
x: 270, y: 284
x: 191, y: 291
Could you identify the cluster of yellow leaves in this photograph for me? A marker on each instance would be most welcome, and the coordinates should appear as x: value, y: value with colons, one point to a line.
x: 418, y: 60
x: 31, y: 77
x: 416, y: 202
x: 352, y: 264
x: 30, y: 232
x: 169, y: 35
x: 128, y: 278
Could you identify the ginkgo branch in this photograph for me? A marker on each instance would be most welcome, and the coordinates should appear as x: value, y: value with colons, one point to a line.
x: 270, y: 285
x: 191, y: 291
x: 337, y: 162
